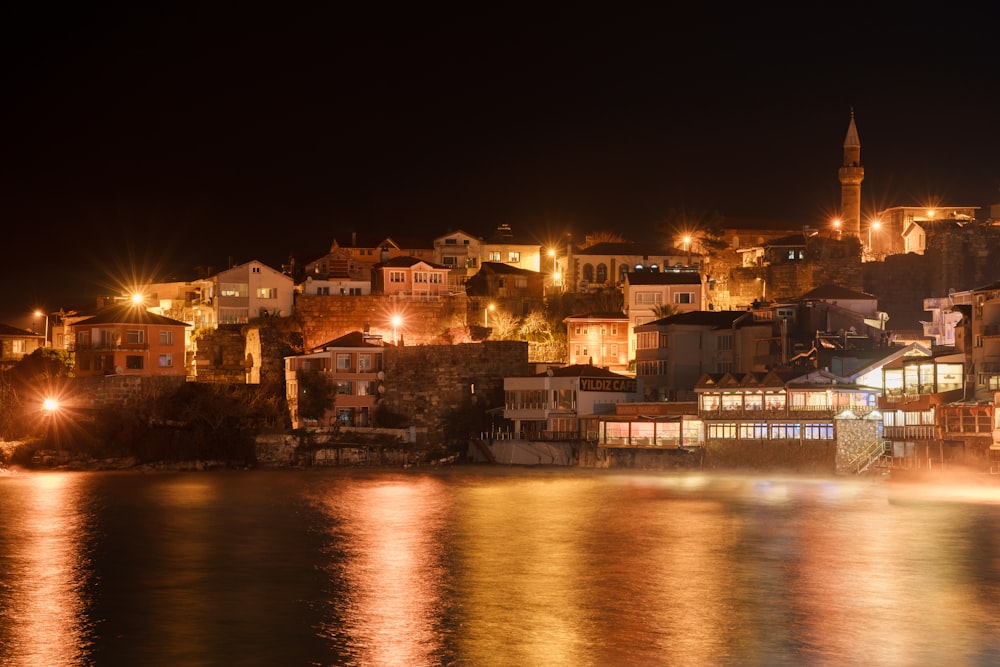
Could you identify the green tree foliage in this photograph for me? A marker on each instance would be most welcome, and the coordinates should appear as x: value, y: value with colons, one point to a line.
x: 194, y: 421
x: 43, y: 373
x: 316, y: 394
x: 708, y: 227
x: 601, y: 236
x: 664, y: 310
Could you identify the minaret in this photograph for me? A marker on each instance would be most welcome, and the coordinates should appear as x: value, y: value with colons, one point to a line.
x: 851, y: 175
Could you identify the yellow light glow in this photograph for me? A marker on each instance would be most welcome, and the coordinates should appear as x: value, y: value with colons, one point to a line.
x: 138, y: 299
x: 50, y: 405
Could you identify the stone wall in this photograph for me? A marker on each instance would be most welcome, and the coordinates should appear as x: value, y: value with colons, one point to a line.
x: 93, y: 393
x: 959, y: 258
x: 427, y: 383
x: 733, y: 286
x: 326, y: 318
x: 220, y: 355
x: 854, y: 438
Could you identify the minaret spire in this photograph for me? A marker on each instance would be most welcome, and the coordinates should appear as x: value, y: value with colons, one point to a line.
x: 851, y: 174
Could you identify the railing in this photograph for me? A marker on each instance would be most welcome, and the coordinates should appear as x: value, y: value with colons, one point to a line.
x: 794, y: 412
x: 538, y: 436
x: 916, y: 432
x: 109, y: 347
x: 867, y: 457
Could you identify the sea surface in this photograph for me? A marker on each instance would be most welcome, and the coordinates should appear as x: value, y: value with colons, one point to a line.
x: 492, y: 566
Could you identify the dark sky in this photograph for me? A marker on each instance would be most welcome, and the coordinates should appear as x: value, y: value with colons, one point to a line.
x: 165, y: 138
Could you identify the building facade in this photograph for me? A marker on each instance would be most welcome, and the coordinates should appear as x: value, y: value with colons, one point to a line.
x: 548, y: 406
x: 129, y: 340
x: 353, y: 365
x: 598, y: 339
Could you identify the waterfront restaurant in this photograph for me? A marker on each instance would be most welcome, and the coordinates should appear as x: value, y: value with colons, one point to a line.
x: 548, y: 406
x: 780, y: 405
x: 646, y: 425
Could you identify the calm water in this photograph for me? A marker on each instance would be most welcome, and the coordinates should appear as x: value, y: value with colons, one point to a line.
x: 504, y: 567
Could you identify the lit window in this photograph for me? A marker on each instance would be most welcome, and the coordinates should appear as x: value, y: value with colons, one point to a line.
x: 166, y: 361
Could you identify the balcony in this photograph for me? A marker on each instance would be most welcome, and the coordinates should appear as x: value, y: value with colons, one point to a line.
x: 918, y: 432
x: 109, y: 347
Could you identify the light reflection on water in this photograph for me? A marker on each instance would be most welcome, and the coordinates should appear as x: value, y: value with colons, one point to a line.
x: 504, y: 567
x: 43, y: 573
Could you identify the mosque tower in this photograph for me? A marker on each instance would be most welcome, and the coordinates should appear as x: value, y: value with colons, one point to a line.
x: 851, y: 174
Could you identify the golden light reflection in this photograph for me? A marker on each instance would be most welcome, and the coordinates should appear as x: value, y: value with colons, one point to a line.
x: 395, y: 571
x: 520, y: 561
x: 44, y: 608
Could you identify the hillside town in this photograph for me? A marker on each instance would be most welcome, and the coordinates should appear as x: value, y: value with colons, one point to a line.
x: 869, y: 343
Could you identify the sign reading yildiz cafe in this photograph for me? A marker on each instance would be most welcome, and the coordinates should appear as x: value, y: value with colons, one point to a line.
x: 623, y: 385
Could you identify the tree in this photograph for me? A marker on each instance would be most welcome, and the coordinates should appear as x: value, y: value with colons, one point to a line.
x: 664, y: 310
x: 316, y: 394
x: 708, y: 227
x: 504, y: 324
x: 535, y: 327
x: 601, y: 236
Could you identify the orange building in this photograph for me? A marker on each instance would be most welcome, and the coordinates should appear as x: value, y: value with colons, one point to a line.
x: 128, y: 340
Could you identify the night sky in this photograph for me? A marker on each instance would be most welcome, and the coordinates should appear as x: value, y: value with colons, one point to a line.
x: 144, y: 139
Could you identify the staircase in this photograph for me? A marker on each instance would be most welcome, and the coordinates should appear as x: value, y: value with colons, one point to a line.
x: 484, y: 449
x: 872, y: 455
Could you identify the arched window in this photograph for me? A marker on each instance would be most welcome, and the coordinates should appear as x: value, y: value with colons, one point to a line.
x: 602, y: 273
x: 588, y: 272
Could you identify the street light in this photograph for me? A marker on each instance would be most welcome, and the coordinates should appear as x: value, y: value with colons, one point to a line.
x: 836, y: 227
x: 875, y: 224
x: 38, y: 313
x: 486, y: 315
x: 396, y: 321
x: 687, y: 249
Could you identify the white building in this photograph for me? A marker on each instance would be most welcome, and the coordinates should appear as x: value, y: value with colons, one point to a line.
x: 548, y: 406
x: 249, y: 291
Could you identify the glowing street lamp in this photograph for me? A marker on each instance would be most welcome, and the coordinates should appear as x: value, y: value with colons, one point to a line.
x: 396, y: 322
x: 38, y: 313
x: 836, y: 227
x: 555, y: 268
x: 687, y: 249
x: 875, y: 224
x: 486, y: 315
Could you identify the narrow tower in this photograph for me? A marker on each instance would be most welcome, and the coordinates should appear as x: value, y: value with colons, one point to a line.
x: 851, y: 175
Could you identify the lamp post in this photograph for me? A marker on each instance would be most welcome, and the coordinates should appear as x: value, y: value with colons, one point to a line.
x: 687, y: 249
x: 836, y: 227
x: 486, y: 315
x: 38, y: 313
x: 396, y: 321
x: 875, y: 224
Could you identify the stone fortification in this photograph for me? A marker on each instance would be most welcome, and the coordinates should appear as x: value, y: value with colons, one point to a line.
x: 220, y: 355
x: 94, y: 393
x: 243, y: 354
x: 428, y: 384
x: 732, y: 286
x: 326, y: 318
